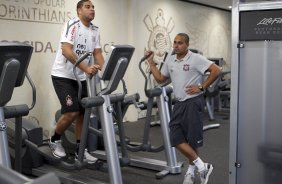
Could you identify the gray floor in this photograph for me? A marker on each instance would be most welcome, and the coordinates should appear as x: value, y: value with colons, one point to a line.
x: 215, y: 151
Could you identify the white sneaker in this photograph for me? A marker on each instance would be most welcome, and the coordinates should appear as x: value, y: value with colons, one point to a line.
x: 204, y: 175
x: 57, y: 148
x: 189, y: 178
x: 88, y: 157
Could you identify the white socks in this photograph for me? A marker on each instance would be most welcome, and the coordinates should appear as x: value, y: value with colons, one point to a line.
x: 199, y: 164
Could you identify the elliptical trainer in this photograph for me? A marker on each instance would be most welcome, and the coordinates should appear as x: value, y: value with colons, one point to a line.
x: 112, y: 72
x: 14, y: 61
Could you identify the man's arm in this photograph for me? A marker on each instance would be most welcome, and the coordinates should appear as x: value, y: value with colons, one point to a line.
x: 68, y: 52
x: 72, y: 57
x: 214, y: 71
x: 98, y: 56
x: 155, y: 71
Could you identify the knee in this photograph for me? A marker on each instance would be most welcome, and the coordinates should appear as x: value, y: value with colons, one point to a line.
x: 70, y: 116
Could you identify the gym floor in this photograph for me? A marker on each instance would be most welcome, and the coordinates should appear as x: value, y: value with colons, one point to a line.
x: 215, y: 151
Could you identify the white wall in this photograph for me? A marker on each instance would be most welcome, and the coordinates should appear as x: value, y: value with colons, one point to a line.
x: 131, y: 22
x: 209, y: 30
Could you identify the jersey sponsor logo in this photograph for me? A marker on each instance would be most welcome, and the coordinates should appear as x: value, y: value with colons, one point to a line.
x: 73, y: 33
x: 80, y: 49
x: 186, y: 67
x: 80, y: 52
x: 81, y: 46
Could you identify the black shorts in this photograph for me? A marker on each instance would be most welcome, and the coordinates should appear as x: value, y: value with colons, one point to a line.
x: 186, y: 124
x: 67, y: 91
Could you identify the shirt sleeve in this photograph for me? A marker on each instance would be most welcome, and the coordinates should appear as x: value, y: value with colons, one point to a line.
x: 69, y: 33
x: 165, y: 68
x: 97, y: 41
x: 203, y: 64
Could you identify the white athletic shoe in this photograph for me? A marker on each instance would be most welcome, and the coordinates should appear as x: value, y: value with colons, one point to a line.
x: 57, y: 148
x: 88, y: 157
x: 204, y: 174
x: 189, y: 178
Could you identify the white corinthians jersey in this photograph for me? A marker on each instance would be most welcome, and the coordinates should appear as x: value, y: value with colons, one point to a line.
x: 84, y: 39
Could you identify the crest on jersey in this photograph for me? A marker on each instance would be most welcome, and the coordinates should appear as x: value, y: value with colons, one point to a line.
x: 69, y: 101
x: 186, y: 67
x: 159, y: 40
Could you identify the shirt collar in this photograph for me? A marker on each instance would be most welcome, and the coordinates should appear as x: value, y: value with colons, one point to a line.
x: 188, y: 54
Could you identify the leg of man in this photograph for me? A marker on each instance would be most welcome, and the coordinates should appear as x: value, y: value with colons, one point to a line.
x: 65, y: 121
x: 55, y: 141
x: 78, y: 129
x: 187, y: 135
x: 188, y: 151
x: 66, y: 90
x: 191, y: 154
x: 78, y: 126
x: 204, y: 169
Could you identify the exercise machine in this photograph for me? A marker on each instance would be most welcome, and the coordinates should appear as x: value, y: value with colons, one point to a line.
x: 30, y: 151
x: 14, y: 61
x: 9, y: 176
x: 212, y: 93
x: 170, y: 165
x: 112, y: 72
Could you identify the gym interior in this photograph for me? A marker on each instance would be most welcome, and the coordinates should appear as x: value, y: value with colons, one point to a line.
x: 242, y: 114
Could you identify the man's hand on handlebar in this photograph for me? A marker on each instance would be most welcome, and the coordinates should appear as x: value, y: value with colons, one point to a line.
x: 93, y: 69
x: 149, y: 55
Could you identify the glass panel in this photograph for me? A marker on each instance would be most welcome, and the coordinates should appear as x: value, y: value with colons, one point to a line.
x: 259, y: 113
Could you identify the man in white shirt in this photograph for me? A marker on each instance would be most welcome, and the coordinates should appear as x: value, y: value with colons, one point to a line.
x: 78, y: 37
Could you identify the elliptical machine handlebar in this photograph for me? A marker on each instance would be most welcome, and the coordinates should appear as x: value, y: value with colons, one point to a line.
x: 148, y: 93
x: 141, y: 61
x: 33, y: 91
x: 84, y: 56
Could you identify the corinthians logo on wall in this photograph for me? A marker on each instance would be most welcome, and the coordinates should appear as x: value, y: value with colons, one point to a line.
x: 159, y: 40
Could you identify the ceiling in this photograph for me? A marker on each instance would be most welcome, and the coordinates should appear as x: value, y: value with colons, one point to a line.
x: 221, y: 4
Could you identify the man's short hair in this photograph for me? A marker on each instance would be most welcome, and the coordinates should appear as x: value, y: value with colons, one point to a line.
x: 80, y: 4
x: 185, y: 36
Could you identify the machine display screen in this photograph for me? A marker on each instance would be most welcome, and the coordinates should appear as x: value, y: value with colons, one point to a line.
x: 117, y: 52
x: 18, y: 51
